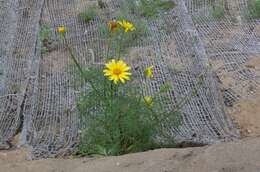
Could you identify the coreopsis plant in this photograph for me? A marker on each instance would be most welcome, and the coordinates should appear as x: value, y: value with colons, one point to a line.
x: 126, y: 25
x: 117, y: 71
x: 113, y: 25
x: 122, y: 34
x: 149, y: 72
x: 117, y: 117
x: 61, y: 29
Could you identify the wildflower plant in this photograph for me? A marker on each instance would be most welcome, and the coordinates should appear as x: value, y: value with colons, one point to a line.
x: 117, y: 116
x: 61, y: 29
x: 121, y: 34
x: 117, y: 71
x: 123, y: 29
x: 149, y: 72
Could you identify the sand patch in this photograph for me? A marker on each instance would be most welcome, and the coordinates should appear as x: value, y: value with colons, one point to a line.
x: 246, y: 115
x: 241, y: 156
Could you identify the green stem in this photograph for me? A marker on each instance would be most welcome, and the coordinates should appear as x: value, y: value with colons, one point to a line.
x: 187, y: 98
x: 108, y: 45
x: 119, y: 46
x: 192, y: 94
x: 79, y: 67
x: 158, y: 121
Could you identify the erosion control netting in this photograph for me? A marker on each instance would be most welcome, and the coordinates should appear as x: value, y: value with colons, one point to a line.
x: 232, y: 44
x: 18, y: 22
x: 38, y: 90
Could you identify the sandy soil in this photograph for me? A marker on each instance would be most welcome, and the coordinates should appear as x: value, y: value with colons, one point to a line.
x: 246, y: 116
x: 241, y: 156
x: 245, y: 112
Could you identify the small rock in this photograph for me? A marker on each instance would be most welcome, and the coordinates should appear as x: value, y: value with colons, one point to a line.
x: 4, y: 146
x: 249, y: 131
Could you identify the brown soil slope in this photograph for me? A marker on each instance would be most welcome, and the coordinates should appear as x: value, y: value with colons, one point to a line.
x: 241, y: 156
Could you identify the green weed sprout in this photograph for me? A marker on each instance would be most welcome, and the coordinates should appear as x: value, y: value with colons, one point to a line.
x: 88, y: 14
x: 45, y: 38
x: 218, y: 11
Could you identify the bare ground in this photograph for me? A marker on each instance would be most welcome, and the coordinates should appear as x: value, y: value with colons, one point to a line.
x: 240, y: 156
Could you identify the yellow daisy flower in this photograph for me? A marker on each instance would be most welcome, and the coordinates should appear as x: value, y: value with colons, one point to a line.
x: 61, y: 29
x: 148, y: 100
x: 117, y: 71
x: 113, y: 25
x: 149, y: 72
x: 126, y: 25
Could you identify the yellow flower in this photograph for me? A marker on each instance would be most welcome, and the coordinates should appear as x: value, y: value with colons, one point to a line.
x: 148, y: 100
x: 117, y: 71
x: 126, y: 25
x: 61, y: 29
x: 113, y: 25
x: 149, y: 72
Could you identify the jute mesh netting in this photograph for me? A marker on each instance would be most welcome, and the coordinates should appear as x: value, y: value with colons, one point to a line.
x: 38, y: 92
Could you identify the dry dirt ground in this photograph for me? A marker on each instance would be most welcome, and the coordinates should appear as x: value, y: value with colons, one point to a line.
x: 245, y: 112
x: 240, y: 156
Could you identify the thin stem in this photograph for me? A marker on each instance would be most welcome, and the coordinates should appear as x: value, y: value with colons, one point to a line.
x: 187, y: 98
x: 119, y: 46
x: 108, y: 45
x: 79, y: 67
x: 192, y: 94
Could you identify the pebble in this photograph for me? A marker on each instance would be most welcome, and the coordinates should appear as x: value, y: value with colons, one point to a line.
x: 4, y: 146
